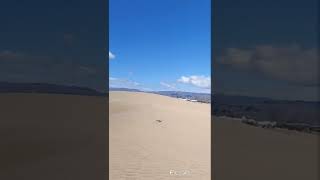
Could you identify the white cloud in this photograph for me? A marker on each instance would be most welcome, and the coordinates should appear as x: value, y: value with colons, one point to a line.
x: 198, y: 81
x: 292, y: 63
x: 167, y: 85
x: 123, y: 83
x: 112, y: 79
x: 111, y: 55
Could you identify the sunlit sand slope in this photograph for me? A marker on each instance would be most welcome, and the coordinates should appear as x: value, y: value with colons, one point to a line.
x: 158, y: 137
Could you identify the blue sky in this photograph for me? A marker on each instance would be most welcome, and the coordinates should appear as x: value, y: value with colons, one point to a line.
x: 160, y: 45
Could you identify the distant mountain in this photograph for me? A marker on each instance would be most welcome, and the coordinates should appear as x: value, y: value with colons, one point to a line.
x: 8, y: 87
x: 264, y: 109
x: 200, y: 97
x: 124, y: 89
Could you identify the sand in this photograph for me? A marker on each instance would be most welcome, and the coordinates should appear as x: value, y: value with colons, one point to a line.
x: 141, y: 147
x: 51, y: 137
x: 158, y: 137
x: 46, y: 136
x: 241, y: 151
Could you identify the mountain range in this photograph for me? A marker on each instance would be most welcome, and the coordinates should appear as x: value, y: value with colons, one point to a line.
x: 9, y: 87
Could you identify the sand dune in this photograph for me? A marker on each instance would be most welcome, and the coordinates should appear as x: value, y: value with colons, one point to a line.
x: 59, y: 137
x: 51, y: 136
x: 246, y: 152
x: 152, y: 134
x: 158, y: 137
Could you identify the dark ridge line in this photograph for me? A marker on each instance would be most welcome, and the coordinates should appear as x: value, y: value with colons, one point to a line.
x: 47, y: 88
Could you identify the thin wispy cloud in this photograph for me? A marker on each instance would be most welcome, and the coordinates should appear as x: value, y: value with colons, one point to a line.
x: 168, y: 85
x: 197, y: 81
x: 123, y: 83
x: 112, y: 79
x: 111, y: 55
